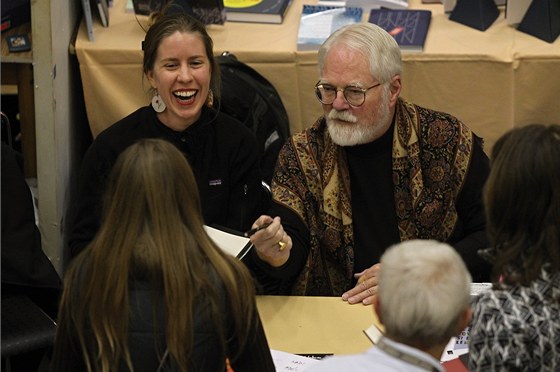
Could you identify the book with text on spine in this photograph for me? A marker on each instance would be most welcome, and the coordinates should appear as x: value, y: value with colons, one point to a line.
x: 256, y: 11
x: 409, y: 27
x: 317, y: 22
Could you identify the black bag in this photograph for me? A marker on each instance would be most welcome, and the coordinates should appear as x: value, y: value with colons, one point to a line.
x: 250, y: 98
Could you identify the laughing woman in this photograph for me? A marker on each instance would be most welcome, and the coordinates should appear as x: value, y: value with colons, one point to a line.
x: 179, y: 64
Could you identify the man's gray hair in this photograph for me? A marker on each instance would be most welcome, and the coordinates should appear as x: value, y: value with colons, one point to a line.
x: 380, y: 49
x: 424, y: 289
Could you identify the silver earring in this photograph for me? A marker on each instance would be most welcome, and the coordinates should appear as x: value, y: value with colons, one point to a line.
x: 158, y: 104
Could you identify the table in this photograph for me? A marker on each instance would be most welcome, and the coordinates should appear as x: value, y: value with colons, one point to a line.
x: 493, y: 80
x: 17, y: 71
x: 315, y: 325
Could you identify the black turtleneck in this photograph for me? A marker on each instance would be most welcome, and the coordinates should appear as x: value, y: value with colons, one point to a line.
x: 373, y: 201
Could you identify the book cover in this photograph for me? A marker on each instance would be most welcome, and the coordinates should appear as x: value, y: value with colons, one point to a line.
x: 317, y: 22
x: 18, y: 43
x: 257, y: 11
x: 409, y: 27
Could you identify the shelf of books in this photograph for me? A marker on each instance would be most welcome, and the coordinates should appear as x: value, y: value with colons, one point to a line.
x: 492, y: 80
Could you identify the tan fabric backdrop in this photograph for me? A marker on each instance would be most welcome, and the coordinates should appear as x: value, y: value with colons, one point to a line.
x: 492, y: 80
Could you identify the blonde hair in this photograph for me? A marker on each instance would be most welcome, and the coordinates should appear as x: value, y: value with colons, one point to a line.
x: 152, y: 228
x: 424, y: 288
x: 378, y: 47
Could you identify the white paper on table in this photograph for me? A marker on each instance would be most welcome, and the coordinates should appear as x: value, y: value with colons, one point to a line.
x: 284, y: 361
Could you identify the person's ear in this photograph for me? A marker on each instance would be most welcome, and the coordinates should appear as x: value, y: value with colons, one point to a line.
x: 151, y: 80
x: 395, y: 89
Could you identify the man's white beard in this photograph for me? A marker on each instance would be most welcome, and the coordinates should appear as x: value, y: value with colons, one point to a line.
x: 351, y: 132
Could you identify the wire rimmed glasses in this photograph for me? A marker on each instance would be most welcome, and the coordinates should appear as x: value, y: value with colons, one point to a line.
x: 355, y: 96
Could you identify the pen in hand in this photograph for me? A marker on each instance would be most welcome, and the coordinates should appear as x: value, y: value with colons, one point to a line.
x: 252, y: 231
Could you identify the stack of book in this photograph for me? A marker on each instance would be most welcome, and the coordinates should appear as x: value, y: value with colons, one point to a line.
x: 319, y: 21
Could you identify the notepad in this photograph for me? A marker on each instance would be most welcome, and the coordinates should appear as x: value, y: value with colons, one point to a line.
x: 235, y: 245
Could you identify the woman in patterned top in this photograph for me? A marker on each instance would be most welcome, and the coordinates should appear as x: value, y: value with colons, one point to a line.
x: 515, y: 326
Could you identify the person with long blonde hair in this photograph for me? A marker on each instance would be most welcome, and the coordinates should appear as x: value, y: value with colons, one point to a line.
x: 152, y: 292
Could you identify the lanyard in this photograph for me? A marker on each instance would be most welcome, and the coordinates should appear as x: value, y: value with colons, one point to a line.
x: 411, y: 359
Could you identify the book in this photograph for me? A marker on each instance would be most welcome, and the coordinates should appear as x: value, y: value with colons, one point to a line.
x: 317, y: 22
x: 18, y: 43
x: 256, y: 11
x: 368, y: 5
x: 14, y: 13
x: 457, y: 346
x: 88, y: 18
x: 409, y: 27
x: 233, y: 244
x: 332, y: 2
x: 103, y: 9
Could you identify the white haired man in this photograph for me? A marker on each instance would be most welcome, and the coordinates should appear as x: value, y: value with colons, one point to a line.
x: 423, y: 300
x: 373, y: 171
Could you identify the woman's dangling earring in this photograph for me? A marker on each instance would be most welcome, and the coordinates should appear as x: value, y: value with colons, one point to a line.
x: 210, y: 99
x: 157, y: 103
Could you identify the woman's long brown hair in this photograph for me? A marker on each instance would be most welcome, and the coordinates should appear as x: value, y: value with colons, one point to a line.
x: 522, y: 202
x: 152, y: 227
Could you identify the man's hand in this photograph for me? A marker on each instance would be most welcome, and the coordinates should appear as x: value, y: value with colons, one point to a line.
x: 272, y: 243
x: 366, y: 288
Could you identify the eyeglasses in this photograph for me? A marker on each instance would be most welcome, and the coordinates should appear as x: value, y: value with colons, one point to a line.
x: 355, y: 96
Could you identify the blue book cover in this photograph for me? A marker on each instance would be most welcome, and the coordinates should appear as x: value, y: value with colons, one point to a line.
x: 409, y: 27
x: 317, y: 22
